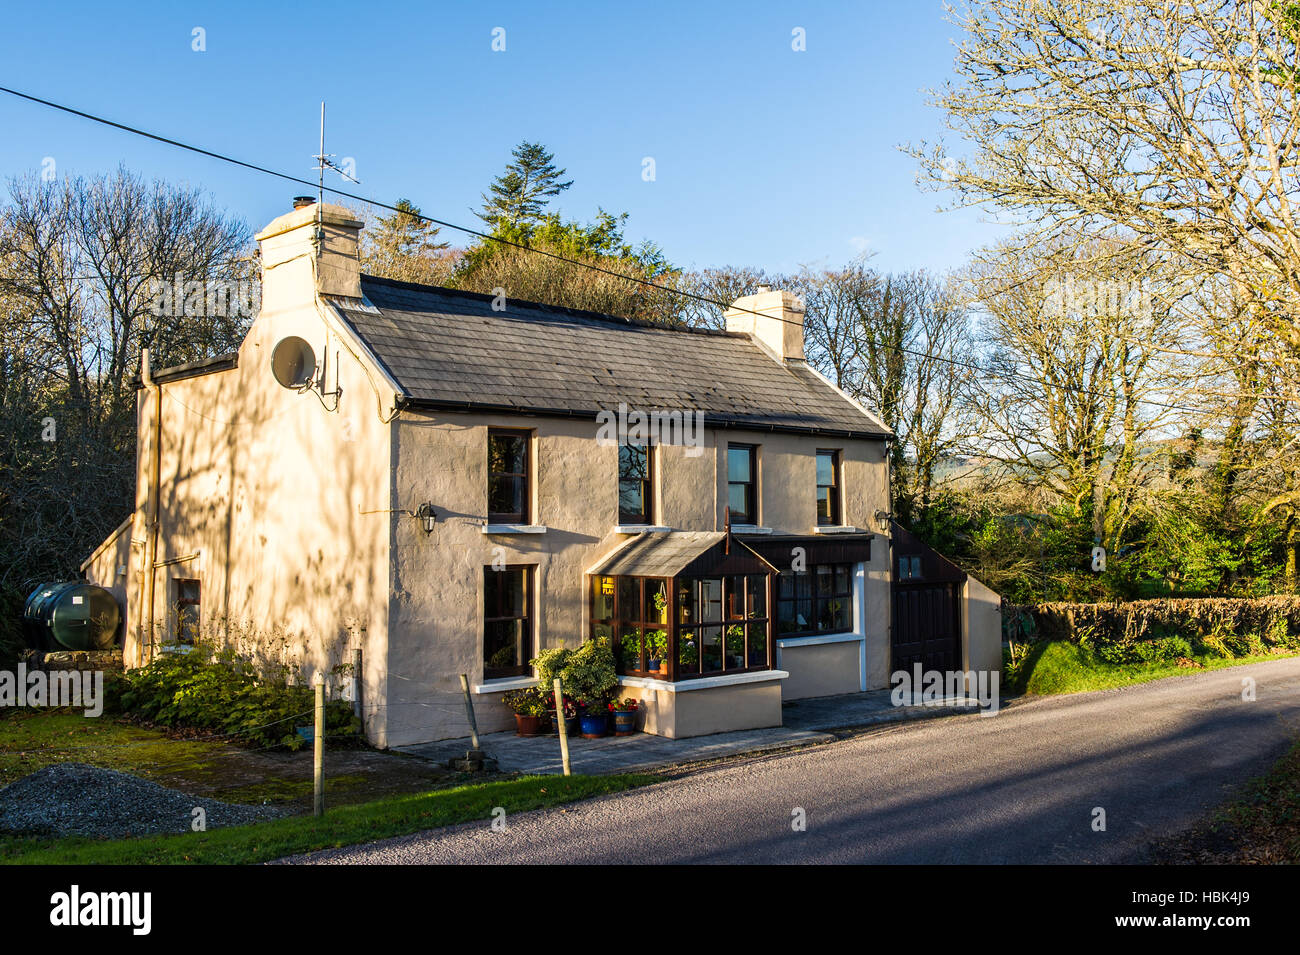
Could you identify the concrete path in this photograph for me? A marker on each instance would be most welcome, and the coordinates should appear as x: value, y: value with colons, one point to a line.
x: 806, y: 722
x: 1022, y: 786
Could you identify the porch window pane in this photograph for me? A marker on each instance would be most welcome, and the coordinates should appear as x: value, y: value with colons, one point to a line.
x: 710, y: 649
x: 656, y: 601
x: 602, y: 593
x: 757, y: 643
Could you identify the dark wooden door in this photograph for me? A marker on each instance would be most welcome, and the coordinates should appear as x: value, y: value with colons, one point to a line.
x: 927, y: 625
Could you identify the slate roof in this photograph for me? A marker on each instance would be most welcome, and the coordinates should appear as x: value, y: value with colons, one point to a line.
x: 667, y: 553
x: 449, y: 349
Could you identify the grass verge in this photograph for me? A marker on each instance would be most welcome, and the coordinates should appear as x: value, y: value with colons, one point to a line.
x: 1261, y: 826
x: 346, y: 825
x: 1059, y: 666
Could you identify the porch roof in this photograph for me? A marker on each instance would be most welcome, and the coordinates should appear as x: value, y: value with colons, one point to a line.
x: 682, y: 553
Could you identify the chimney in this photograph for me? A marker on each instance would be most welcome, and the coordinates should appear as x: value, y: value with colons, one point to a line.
x: 324, y: 234
x: 779, y: 324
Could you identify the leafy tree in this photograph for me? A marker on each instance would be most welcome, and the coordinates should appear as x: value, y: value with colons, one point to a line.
x: 552, y: 266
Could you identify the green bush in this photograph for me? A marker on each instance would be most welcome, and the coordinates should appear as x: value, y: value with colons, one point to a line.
x: 588, y: 673
x: 220, y: 691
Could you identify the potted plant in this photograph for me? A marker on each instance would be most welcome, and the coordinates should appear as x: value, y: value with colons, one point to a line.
x: 688, y: 654
x: 735, y: 647
x: 657, y: 651
x: 630, y: 650
x: 594, y: 720
x: 625, y: 711
x: 570, y: 715
x: 529, y: 709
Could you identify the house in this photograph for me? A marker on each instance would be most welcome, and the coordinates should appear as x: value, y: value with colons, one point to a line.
x: 448, y: 482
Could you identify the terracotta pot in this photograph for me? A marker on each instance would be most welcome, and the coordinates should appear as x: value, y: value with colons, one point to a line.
x: 528, y: 725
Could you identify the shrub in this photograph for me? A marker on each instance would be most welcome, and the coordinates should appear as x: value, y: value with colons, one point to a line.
x: 221, y: 691
x: 587, y: 673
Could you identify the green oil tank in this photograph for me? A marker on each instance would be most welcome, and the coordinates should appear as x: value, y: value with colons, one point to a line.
x: 71, y: 616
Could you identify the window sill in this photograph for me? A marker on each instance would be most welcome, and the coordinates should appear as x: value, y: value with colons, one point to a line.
x: 704, y: 682
x: 641, y: 529
x: 817, y: 639
x: 835, y: 529
x: 506, y: 683
x: 513, y: 529
x: 749, y: 529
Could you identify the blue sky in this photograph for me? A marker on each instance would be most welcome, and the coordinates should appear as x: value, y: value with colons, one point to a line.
x: 763, y: 156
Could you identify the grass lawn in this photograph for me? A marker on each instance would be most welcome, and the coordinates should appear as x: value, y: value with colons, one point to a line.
x: 1058, y: 666
x: 346, y: 825
x: 33, y: 739
x: 1260, y: 826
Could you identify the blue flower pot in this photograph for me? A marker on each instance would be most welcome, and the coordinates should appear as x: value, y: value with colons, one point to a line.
x: 594, y: 725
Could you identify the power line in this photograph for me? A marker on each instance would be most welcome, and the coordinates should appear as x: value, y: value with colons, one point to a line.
x: 487, y: 237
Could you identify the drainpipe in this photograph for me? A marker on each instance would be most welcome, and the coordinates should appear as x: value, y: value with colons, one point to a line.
x: 155, y: 498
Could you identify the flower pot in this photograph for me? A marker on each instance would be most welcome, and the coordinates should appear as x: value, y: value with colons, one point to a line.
x: 571, y: 726
x: 652, y: 666
x: 594, y: 725
x: 528, y: 725
x: 663, y: 668
x: 624, y: 723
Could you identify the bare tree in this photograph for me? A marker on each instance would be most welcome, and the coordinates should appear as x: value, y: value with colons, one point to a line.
x: 1175, y: 122
x: 90, y: 269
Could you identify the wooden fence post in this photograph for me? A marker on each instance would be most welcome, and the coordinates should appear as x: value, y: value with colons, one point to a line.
x: 469, y: 711
x: 563, y: 725
x: 318, y: 746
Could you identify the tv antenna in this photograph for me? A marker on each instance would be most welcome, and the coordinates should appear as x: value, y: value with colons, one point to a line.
x: 325, y: 161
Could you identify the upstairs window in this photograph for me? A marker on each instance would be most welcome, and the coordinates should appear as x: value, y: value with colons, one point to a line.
x: 828, y: 488
x: 508, y: 479
x: 742, y: 483
x: 635, y: 484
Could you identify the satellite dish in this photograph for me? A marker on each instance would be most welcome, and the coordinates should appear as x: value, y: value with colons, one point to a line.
x: 293, y: 363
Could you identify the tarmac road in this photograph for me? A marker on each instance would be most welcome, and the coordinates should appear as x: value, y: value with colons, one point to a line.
x: 1018, y: 787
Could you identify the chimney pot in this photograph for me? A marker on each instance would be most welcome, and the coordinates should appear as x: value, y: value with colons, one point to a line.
x: 300, y: 201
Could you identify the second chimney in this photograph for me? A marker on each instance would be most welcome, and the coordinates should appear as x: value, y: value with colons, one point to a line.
x: 778, y: 326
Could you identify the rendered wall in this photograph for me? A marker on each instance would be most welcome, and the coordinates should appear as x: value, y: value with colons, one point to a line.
x: 981, y: 627
x: 284, y: 497
x: 823, y: 669
x: 716, y: 709
x: 436, y: 616
x: 101, y: 568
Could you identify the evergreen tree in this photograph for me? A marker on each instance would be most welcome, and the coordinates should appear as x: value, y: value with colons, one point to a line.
x: 519, y: 195
x: 404, y: 246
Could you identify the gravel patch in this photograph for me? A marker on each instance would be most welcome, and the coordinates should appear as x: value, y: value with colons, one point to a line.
x: 73, y: 799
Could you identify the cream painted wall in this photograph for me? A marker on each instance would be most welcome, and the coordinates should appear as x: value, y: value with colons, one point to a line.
x: 436, y: 613
x: 101, y: 568
x: 820, y: 669
x: 283, y: 495
x: 981, y: 627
